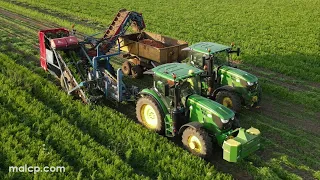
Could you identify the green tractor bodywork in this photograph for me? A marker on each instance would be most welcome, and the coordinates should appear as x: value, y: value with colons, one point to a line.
x: 221, y: 77
x: 174, y: 106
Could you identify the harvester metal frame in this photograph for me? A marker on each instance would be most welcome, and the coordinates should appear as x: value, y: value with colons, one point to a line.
x: 93, y: 51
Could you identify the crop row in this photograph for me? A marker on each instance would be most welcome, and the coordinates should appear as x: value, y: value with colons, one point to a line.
x: 144, y: 151
x: 309, y: 98
x: 19, y: 146
x: 284, y: 132
x: 256, y: 171
x: 274, y: 42
x: 76, y: 147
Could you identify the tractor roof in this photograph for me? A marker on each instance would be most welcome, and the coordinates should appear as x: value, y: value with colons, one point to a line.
x: 203, y: 47
x: 180, y: 70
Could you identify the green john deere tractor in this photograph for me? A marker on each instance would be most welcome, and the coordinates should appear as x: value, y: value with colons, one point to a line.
x: 174, y: 106
x: 222, y: 81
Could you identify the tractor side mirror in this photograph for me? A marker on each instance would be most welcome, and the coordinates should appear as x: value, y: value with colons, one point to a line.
x: 238, y: 51
x: 166, y: 90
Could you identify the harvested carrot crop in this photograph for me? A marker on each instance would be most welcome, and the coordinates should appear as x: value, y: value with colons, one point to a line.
x: 153, y: 43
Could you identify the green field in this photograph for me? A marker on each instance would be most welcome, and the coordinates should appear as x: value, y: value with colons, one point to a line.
x: 280, y: 43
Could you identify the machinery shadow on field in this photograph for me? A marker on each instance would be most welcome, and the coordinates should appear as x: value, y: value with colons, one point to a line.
x: 216, y: 159
x: 279, y: 108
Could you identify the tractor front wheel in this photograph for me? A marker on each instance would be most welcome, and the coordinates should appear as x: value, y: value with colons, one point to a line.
x: 149, y: 114
x: 197, y: 141
x: 229, y: 99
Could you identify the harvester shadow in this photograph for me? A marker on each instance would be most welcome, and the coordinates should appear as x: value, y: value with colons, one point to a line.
x: 72, y: 159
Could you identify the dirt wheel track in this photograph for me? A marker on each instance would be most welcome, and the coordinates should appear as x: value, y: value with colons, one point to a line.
x: 33, y: 23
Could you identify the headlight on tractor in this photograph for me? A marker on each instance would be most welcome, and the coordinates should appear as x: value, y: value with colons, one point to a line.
x: 224, y: 121
x: 250, y: 83
x: 252, y: 86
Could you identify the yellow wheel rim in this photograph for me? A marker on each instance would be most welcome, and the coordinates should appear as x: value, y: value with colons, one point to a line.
x: 227, y: 102
x: 194, y: 143
x: 149, y: 116
x: 255, y: 98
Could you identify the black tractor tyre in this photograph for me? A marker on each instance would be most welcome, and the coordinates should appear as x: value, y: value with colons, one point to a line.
x: 204, y: 139
x: 236, y: 124
x: 137, y: 72
x: 126, y: 68
x: 235, y: 99
x: 144, y: 101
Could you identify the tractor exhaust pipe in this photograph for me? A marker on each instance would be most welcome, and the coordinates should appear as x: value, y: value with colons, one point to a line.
x: 210, y: 73
x: 177, y: 114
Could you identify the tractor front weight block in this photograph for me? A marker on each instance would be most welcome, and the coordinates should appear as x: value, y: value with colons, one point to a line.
x: 245, y: 143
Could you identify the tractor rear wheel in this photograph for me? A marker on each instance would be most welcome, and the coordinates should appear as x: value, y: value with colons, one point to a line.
x: 137, y: 71
x: 229, y: 99
x: 126, y: 68
x: 149, y: 114
x: 197, y: 141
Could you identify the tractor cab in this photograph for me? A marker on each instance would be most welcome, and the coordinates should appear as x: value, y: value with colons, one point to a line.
x: 210, y: 57
x: 176, y: 81
x: 221, y: 80
x: 219, y: 54
x: 175, y: 107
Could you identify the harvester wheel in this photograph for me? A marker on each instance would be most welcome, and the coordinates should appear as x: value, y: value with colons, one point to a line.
x: 137, y: 71
x: 230, y: 100
x: 126, y: 68
x: 197, y: 141
x: 149, y: 114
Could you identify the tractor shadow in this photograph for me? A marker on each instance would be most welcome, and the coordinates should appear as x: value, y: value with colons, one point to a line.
x: 216, y: 159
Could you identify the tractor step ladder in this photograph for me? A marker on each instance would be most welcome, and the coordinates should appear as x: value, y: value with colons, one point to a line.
x: 169, y: 128
x: 115, y: 27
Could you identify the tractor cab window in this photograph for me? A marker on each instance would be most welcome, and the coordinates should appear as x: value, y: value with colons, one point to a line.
x: 161, y: 83
x: 190, y: 86
x: 195, y: 59
x: 221, y: 58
